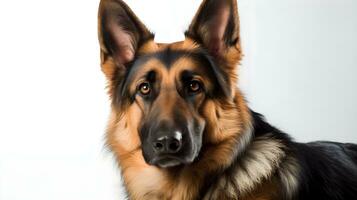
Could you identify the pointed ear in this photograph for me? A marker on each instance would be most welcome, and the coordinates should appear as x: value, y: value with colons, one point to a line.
x: 216, y: 27
x: 120, y: 32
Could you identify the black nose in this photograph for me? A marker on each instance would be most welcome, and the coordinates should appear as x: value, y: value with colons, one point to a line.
x: 168, y: 144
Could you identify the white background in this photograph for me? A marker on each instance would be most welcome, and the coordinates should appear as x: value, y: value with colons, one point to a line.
x: 299, y: 70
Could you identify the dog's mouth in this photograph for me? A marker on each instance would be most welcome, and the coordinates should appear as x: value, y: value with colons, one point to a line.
x: 167, y: 161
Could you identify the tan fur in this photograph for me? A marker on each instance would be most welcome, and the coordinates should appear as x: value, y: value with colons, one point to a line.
x: 266, y: 191
x: 227, y: 134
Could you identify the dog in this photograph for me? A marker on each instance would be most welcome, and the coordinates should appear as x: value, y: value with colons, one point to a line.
x: 181, y: 129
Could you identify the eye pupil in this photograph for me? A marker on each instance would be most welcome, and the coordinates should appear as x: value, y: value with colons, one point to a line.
x: 194, y: 86
x: 145, y: 88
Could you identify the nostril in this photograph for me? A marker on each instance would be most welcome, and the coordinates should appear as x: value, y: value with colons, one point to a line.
x: 174, y: 145
x: 168, y: 144
x: 158, y: 146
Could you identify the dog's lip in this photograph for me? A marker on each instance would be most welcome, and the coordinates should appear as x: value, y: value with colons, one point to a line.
x: 166, y: 161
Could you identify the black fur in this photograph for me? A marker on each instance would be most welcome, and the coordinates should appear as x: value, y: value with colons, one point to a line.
x: 328, y: 170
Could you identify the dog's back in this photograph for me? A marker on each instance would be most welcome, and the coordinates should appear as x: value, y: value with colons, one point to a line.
x: 322, y: 169
x: 328, y: 170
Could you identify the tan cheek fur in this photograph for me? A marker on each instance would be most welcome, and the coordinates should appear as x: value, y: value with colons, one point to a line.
x: 123, y: 139
x: 126, y: 134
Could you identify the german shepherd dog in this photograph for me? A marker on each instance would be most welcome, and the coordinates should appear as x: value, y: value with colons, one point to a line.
x: 181, y: 129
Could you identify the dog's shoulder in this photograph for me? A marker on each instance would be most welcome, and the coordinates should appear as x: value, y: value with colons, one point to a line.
x: 328, y: 170
x: 315, y: 170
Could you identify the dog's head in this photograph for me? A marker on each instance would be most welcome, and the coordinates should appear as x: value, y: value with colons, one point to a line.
x: 164, y: 95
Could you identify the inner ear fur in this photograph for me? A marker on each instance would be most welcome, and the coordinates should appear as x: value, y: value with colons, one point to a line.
x: 216, y: 26
x: 120, y: 34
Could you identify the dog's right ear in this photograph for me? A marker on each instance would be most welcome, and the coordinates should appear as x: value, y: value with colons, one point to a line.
x: 216, y: 27
x: 120, y: 35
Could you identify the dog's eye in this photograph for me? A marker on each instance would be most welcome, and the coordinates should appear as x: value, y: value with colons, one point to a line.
x: 145, y: 88
x: 194, y: 86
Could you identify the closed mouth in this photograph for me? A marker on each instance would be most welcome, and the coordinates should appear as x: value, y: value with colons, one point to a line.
x: 166, y: 161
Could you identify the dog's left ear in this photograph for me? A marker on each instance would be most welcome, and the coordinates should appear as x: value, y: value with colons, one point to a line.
x: 120, y: 35
x: 216, y: 26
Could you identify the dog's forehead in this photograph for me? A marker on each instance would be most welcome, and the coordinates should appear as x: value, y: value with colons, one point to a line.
x: 151, y: 46
x: 168, y: 63
x: 169, y: 55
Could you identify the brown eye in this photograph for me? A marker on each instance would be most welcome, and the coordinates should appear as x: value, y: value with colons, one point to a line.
x: 145, y: 88
x: 194, y: 87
